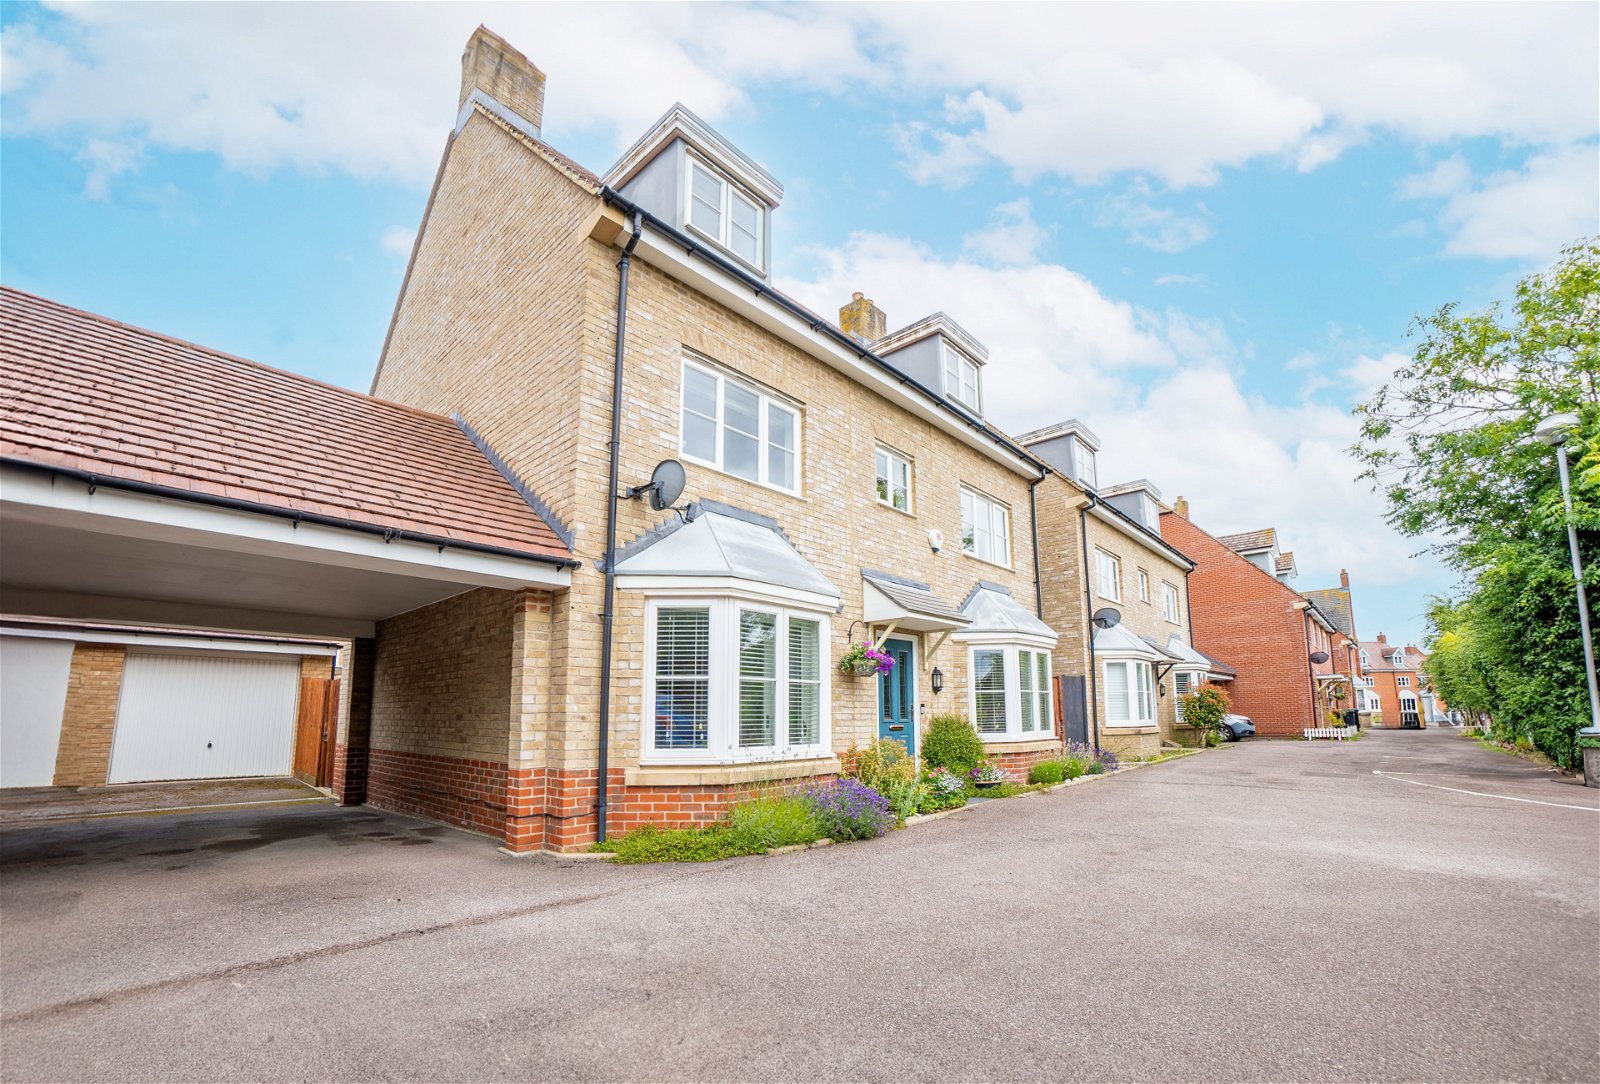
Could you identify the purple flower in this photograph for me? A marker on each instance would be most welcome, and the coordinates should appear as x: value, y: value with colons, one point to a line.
x: 849, y: 809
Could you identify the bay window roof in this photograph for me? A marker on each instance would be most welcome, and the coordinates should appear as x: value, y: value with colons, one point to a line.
x: 1118, y: 642
x: 715, y: 545
x: 907, y: 604
x: 994, y: 614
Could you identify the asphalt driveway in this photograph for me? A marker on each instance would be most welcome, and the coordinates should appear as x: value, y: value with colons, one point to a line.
x: 1267, y: 911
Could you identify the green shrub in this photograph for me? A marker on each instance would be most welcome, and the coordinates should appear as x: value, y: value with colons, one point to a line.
x: 1074, y: 766
x: 773, y: 820
x: 1203, y: 709
x: 648, y: 843
x: 951, y: 743
x: 887, y: 768
x: 1048, y: 772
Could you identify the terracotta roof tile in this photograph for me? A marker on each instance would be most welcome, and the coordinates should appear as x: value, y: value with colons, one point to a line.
x: 82, y: 392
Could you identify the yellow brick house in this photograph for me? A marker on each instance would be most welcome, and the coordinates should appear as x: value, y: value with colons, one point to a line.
x: 840, y: 483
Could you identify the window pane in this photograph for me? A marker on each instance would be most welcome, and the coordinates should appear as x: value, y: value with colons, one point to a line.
x: 989, y: 685
x: 742, y: 238
x: 952, y: 373
x: 683, y: 659
x: 805, y: 682
x: 1026, y: 676
x: 902, y: 485
x: 1117, y: 692
x: 1041, y: 661
x: 968, y: 536
x: 1141, y: 674
x: 781, y: 442
x: 1002, y: 535
x: 758, y: 672
x: 740, y: 431
x: 705, y: 204
x: 700, y: 415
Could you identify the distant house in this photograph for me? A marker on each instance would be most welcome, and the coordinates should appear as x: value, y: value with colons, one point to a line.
x: 1337, y: 604
x: 1398, y: 686
x: 1243, y: 610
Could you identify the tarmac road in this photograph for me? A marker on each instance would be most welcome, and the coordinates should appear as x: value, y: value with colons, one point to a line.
x: 1265, y: 911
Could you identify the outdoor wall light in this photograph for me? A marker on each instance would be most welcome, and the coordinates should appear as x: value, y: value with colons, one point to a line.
x: 937, y: 677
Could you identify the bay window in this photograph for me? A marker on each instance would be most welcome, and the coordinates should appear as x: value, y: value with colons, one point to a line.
x: 985, y: 528
x: 737, y: 429
x: 729, y: 680
x: 1011, y: 693
x: 1130, y: 693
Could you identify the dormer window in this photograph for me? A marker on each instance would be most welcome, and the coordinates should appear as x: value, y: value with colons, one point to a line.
x: 961, y: 378
x: 724, y: 214
x: 1088, y: 471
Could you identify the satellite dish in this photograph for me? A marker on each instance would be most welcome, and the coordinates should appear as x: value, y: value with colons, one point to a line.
x: 1319, y: 657
x: 666, y: 484
x: 1106, y: 618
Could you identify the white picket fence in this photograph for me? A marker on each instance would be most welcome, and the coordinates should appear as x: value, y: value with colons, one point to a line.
x: 1337, y: 733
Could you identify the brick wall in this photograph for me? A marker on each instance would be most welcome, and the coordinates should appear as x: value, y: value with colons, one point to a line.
x: 1249, y: 620
x: 441, y: 711
x: 349, y: 781
x: 94, y: 686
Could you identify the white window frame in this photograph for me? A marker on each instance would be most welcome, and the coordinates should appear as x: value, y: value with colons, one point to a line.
x: 1141, y: 686
x: 1100, y: 558
x: 766, y: 402
x: 1088, y: 468
x: 1366, y: 660
x: 1011, y: 669
x: 893, y: 458
x: 970, y: 501
x: 728, y: 192
x: 1169, y: 594
x: 1403, y: 681
x: 964, y: 367
x: 1398, y: 658
x: 722, y: 712
x: 1184, y: 682
x: 1144, y: 585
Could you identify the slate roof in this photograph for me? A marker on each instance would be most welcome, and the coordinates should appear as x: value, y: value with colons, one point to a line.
x: 1285, y: 562
x: 720, y: 541
x: 1334, y: 602
x: 914, y: 596
x: 85, y: 393
x: 1249, y: 541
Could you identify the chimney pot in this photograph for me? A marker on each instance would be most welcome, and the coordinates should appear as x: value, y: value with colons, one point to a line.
x: 862, y: 320
x: 1344, y: 579
x: 492, y: 66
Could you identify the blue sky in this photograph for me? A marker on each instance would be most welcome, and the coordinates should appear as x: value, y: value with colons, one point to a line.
x: 1201, y: 229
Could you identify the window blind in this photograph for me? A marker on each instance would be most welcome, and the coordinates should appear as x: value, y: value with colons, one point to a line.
x: 758, y: 677
x: 1026, y: 676
x: 805, y: 682
x: 683, y: 668
x: 989, y: 691
x: 1117, y: 692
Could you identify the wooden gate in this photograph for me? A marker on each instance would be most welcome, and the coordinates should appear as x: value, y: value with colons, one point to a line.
x: 1072, y: 709
x: 315, y: 730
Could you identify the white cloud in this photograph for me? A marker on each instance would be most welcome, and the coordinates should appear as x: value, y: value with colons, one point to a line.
x: 397, y: 241
x: 1145, y: 224
x: 1446, y: 178
x: 106, y: 159
x: 1012, y: 236
x: 1086, y: 92
x: 1162, y: 389
x: 1528, y: 214
x: 1180, y: 280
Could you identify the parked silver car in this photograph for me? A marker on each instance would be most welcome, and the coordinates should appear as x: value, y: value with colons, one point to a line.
x: 1235, y: 727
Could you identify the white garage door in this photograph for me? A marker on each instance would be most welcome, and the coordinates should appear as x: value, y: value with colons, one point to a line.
x: 33, y: 693
x: 204, y: 717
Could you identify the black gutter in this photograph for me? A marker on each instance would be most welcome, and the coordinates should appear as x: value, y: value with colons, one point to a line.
x: 388, y: 534
x: 696, y: 248
x: 1033, y: 520
x: 1088, y: 617
x: 608, y: 614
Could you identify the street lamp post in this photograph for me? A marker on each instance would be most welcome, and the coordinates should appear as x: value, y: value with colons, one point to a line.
x: 1554, y: 431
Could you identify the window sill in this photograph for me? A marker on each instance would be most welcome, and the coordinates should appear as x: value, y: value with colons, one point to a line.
x: 987, y: 561
x: 1005, y: 743
x: 714, y: 775
x: 1123, y: 728
x: 881, y: 503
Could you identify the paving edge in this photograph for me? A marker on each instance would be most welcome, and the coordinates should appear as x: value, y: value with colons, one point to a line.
x: 219, y: 807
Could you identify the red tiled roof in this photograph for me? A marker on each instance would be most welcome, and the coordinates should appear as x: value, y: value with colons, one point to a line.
x: 85, y: 393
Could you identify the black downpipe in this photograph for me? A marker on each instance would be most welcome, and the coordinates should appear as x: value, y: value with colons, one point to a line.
x: 1033, y: 519
x: 1088, y: 609
x: 608, y: 614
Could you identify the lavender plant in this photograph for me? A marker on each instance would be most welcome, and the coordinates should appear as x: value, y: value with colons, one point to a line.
x: 849, y: 809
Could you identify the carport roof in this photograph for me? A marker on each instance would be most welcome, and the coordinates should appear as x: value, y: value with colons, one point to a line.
x: 87, y: 394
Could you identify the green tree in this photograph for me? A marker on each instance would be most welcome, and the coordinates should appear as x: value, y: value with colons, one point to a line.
x: 1203, y: 709
x: 1449, y: 442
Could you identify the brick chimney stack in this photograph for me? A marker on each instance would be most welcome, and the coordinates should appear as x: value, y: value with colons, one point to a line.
x: 1180, y: 508
x: 1344, y: 579
x: 1382, y: 639
x: 491, y: 65
x: 862, y: 320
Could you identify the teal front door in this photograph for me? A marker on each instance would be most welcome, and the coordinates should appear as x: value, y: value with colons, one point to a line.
x: 897, y: 699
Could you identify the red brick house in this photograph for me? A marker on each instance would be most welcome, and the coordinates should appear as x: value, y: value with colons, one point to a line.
x: 1240, y: 611
x: 1398, y: 686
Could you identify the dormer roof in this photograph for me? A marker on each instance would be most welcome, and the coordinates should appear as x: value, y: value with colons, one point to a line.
x: 937, y: 324
x: 1250, y: 541
x: 1072, y: 427
x: 1135, y: 486
x: 680, y: 123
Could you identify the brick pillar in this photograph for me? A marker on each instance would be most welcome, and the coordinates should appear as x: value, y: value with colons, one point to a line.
x: 526, y: 762
x: 350, y: 752
x: 94, y: 686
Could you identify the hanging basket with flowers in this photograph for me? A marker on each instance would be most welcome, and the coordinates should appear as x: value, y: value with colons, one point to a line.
x: 864, y: 660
